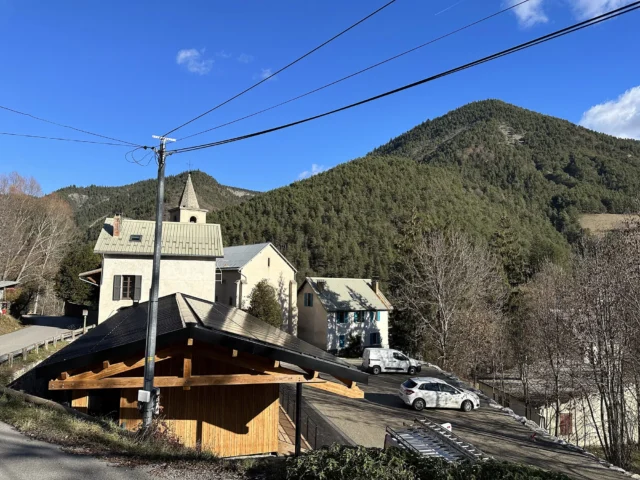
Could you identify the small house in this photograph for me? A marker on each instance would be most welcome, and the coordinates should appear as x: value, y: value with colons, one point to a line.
x: 243, y: 266
x: 331, y: 311
x: 217, y: 367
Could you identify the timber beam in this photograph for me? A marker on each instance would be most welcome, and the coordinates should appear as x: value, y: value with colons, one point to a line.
x: 350, y: 392
x: 193, y: 381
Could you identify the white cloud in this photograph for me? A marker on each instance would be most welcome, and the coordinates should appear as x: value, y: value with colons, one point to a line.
x: 223, y: 54
x: 245, y: 58
x: 530, y: 13
x: 265, y: 73
x: 315, y: 169
x: 194, y: 61
x: 591, y: 8
x: 620, y: 117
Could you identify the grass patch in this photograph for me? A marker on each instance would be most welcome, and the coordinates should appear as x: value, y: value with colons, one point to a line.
x: 9, y: 324
x: 7, y: 371
x: 96, y: 438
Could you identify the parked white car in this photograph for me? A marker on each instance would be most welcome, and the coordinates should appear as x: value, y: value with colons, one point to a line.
x: 429, y: 392
x: 376, y: 360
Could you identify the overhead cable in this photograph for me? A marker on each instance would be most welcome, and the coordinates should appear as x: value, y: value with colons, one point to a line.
x: 359, y: 71
x: 545, y: 38
x: 283, y: 68
x: 67, y: 126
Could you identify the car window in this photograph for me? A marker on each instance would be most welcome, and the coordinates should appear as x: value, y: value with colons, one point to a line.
x: 399, y: 356
x: 430, y: 387
x: 447, y: 389
x: 409, y: 384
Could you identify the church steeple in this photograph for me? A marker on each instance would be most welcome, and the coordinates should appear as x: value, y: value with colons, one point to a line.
x: 189, y: 199
x: 188, y: 210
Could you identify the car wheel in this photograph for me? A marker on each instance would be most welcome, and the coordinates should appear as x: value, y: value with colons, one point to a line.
x: 375, y: 370
x: 412, y: 370
x: 467, y: 406
x: 418, y: 404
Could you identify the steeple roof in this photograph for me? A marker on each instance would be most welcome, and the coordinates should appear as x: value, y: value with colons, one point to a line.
x: 189, y: 199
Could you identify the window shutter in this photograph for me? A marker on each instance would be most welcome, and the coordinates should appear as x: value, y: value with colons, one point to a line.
x: 117, y: 286
x: 137, y: 288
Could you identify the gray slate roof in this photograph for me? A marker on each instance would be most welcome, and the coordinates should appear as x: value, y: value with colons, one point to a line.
x: 348, y: 294
x: 178, y: 239
x: 7, y: 283
x: 237, y: 257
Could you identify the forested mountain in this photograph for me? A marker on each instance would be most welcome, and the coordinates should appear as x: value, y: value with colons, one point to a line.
x: 515, y: 178
x: 93, y: 204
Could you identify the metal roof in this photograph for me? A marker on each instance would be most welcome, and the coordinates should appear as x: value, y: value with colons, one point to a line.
x: 179, y: 239
x: 428, y: 439
x: 347, y: 294
x: 8, y: 283
x: 181, y: 317
x: 235, y: 258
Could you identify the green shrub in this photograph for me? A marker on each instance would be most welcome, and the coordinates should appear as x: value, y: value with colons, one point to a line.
x: 359, y: 463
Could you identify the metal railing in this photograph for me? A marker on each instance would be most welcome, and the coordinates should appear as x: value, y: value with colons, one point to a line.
x: 309, y: 427
x: 69, y: 335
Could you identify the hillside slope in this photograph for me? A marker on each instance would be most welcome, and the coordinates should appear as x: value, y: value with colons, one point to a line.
x: 93, y: 204
x: 481, y: 168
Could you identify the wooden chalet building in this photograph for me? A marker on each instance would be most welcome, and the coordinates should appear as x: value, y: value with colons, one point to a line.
x: 217, y: 367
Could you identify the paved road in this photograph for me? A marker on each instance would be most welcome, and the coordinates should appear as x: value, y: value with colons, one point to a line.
x: 27, y: 336
x: 24, y: 459
x: 494, y: 432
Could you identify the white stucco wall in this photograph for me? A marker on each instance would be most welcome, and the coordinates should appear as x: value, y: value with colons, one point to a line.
x: 586, y: 419
x: 192, y: 276
x: 268, y: 264
x: 312, y: 321
x: 358, y: 329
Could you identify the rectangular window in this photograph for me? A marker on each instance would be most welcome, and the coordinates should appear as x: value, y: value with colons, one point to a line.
x: 231, y: 301
x: 343, y: 317
x: 341, y: 341
x: 269, y: 262
x: 308, y: 299
x: 357, y: 316
x: 566, y: 424
x: 374, y: 338
x: 377, y: 316
x: 128, y: 286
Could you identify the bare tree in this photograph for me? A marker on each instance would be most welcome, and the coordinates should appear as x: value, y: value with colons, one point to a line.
x: 446, y: 283
x: 35, y: 232
x: 602, y: 315
x: 552, y: 335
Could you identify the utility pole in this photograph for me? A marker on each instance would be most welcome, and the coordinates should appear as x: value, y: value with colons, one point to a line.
x: 147, y: 397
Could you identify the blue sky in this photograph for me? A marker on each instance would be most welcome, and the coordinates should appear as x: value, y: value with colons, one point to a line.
x: 133, y: 69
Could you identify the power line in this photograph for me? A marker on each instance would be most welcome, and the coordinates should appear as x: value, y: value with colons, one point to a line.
x: 64, y: 139
x: 360, y: 71
x: 283, y: 68
x: 67, y: 126
x: 545, y: 38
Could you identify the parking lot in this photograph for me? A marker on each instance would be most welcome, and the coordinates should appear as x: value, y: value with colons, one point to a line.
x: 495, y: 433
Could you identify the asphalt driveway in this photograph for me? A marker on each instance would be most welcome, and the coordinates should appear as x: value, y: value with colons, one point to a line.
x: 24, y: 459
x: 495, y: 433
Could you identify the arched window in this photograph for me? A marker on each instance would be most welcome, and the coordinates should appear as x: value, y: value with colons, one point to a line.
x: 193, y: 220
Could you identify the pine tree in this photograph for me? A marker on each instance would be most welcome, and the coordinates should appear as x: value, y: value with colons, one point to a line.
x: 264, y: 305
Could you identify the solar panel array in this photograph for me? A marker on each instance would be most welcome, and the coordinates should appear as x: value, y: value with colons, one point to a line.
x: 223, y: 318
x: 127, y: 326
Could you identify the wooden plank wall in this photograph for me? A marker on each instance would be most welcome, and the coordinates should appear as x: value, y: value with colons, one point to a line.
x: 80, y: 400
x: 228, y: 420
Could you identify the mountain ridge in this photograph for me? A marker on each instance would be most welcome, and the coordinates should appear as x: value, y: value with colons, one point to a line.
x: 94, y: 203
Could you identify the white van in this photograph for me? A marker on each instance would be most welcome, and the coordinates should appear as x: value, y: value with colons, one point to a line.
x: 376, y: 360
